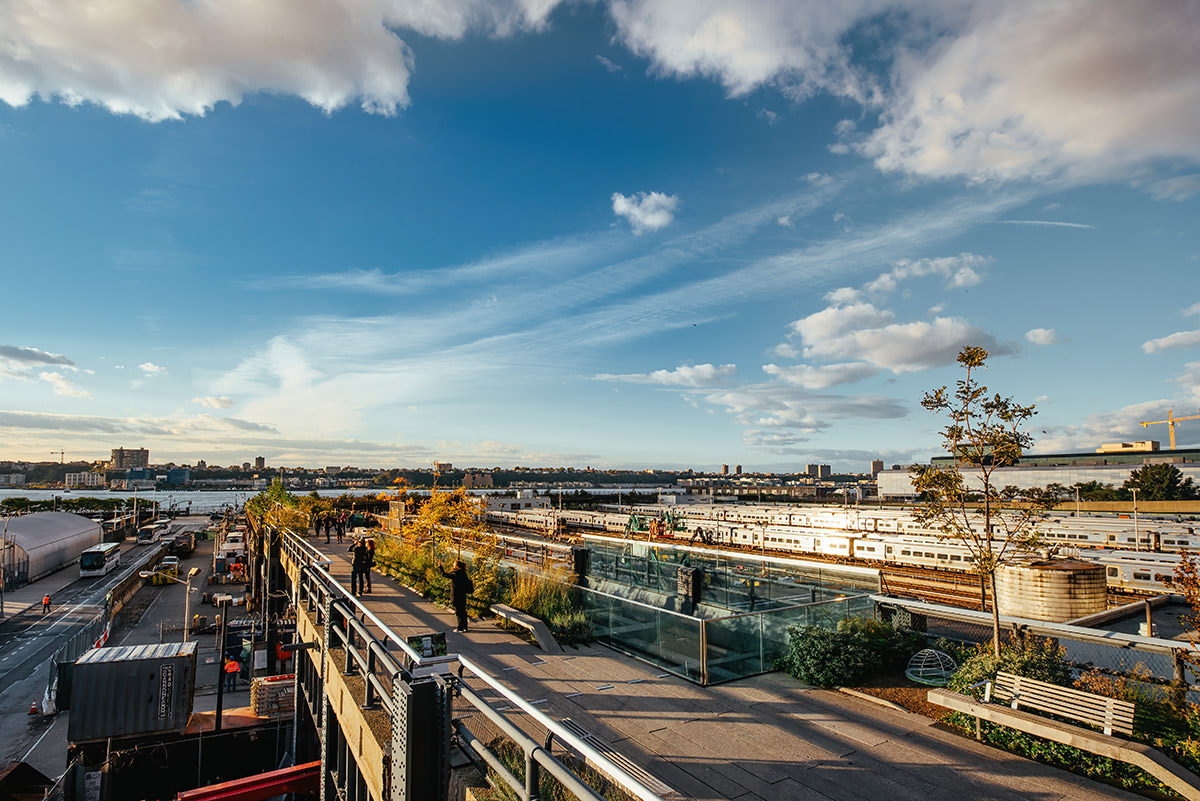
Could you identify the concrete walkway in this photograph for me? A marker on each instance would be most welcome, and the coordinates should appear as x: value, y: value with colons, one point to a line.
x: 767, y: 737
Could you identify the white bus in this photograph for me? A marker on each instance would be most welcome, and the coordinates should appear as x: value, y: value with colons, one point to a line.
x: 99, y: 559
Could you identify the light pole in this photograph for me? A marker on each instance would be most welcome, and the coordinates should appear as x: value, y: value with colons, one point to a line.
x: 1137, y: 537
x: 187, y: 593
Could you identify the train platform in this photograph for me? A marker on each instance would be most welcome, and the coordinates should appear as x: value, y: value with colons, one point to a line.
x: 765, y: 738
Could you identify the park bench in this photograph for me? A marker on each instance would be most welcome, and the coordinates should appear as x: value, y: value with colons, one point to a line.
x: 541, y: 633
x: 1109, y: 714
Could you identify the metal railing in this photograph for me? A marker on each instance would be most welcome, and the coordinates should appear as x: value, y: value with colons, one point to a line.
x: 382, y: 657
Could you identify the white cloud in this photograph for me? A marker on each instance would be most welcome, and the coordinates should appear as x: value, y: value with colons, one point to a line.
x: 1077, y: 89
x: 699, y: 375
x: 1178, y: 188
x: 822, y: 377
x: 645, y: 211
x: 785, y: 221
x: 162, y: 59
x: 1190, y: 310
x: 746, y: 44
x: 1042, y: 336
x: 62, y: 386
x: 150, y: 368
x: 959, y: 272
x: 214, y: 402
x: 860, y: 332
x: 1180, y: 339
x: 766, y: 114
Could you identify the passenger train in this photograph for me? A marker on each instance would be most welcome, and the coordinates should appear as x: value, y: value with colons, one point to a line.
x: 889, y: 536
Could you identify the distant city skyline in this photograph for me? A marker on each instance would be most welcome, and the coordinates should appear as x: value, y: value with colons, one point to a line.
x: 618, y: 234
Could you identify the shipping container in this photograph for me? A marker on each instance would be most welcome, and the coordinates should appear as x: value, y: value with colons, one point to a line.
x: 132, y: 690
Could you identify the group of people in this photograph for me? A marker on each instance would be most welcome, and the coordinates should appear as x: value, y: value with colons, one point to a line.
x: 335, y: 522
x: 361, y: 564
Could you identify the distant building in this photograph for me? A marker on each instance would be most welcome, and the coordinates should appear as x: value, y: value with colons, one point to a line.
x: 724, y: 469
x: 442, y: 467
x: 84, y: 479
x: 818, y: 470
x: 140, y: 474
x: 201, y: 464
x: 129, y: 459
x: 12, y: 479
x: 332, y: 470
x: 737, y: 468
x: 876, y: 467
x: 246, y: 467
x: 472, y: 480
x: 1126, y: 447
x: 260, y: 462
x: 178, y: 476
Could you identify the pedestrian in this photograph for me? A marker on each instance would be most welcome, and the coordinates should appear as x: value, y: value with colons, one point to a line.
x: 45, y: 603
x: 232, y: 668
x: 461, y: 587
x: 341, y: 528
x: 370, y: 562
x: 328, y: 525
x: 359, y: 566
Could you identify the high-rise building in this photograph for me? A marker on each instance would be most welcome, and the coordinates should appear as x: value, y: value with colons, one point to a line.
x: 876, y: 467
x: 260, y: 462
x: 201, y: 464
x: 818, y: 470
x: 737, y: 468
x: 442, y: 467
x: 724, y: 469
x: 129, y: 459
x: 246, y: 466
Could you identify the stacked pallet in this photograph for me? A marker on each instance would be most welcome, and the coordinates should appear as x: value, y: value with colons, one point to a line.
x: 273, y: 696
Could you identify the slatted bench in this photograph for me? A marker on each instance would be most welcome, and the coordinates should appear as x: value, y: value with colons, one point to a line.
x: 539, y: 630
x: 1108, y: 714
x: 1095, y: 710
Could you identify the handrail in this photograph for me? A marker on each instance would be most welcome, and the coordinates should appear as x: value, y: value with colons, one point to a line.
x: 317, y: 566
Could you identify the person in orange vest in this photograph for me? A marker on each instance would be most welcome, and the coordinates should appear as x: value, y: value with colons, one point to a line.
x: 232, y: 668
x: 45, y: 603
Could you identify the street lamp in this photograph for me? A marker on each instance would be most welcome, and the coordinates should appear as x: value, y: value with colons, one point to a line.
x: 187, y: 596
x: 1137, y: 538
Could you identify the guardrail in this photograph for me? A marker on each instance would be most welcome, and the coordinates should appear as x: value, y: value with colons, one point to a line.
x: 381, y: 658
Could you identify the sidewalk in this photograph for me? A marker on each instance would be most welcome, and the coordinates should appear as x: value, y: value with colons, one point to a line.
x: 767, y: 737
x: 29, y: 596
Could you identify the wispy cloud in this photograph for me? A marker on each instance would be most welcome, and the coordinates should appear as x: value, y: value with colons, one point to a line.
x: 15, y: 355
x: 1041, y: 336
x: 609, y: 64
x: 1051, y: 223
x: 698, y: 375
x: 63, y: 386
x: 213, y: 402
x: 151, y: 369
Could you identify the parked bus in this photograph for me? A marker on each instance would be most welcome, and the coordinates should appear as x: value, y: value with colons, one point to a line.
x: 99, y: 559
x: 151, y: 532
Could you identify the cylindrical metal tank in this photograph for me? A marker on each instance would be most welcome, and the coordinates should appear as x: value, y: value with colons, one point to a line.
x: 1054, y: 590
x: 135, y: 689
x: 51, y: 540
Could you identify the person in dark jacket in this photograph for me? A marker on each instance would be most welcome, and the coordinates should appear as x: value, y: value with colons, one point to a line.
x: 359, y: 567
x: 461, y: 587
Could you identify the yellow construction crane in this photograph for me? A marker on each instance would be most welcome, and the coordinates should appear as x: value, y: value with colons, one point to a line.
x: 1170, y: 421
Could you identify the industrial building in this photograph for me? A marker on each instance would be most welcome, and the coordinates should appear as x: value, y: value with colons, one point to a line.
x: 1109, y: 465
x: 38, y: 544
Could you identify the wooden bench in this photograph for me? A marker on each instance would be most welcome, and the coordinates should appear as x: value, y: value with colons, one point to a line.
x: 1085, y: 707
x: 541, y: 633
x: 1109, y: 714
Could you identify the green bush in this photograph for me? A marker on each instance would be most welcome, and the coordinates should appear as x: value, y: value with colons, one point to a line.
x: 856, y: 650
x: 1033, y: 657
x: 550, y: 597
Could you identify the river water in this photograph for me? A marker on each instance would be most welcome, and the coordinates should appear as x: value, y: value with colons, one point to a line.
x: 208, y: 501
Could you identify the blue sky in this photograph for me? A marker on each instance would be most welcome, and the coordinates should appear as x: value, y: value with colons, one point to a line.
x: 629, y: 234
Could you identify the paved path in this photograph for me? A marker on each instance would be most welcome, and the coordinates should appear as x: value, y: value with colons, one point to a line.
x: 768, y: 737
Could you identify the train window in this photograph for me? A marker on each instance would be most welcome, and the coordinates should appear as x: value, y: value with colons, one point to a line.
x: 955, y: 557
x: 1162, y: 578
x: 930, y: 555
x: 906, y: 553
x: 1141, y: 576
x: 1114, y: 572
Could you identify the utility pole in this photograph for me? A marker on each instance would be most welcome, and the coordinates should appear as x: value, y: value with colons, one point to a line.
x: 223, y: 605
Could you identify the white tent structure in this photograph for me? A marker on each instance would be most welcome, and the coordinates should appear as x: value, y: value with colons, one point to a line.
x: 38, y: 544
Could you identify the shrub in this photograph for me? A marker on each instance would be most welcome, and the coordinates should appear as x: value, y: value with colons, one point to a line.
x: 551, y: 598
x: 857, y: 649
x: 1034, y: 657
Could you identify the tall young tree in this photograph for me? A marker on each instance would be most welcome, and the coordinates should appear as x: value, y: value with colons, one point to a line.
x: 983, y: 433
x: 1160, y: 482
